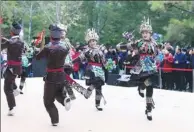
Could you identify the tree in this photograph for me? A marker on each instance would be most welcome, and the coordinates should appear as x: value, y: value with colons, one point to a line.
x: 180, y: 20
x: 173, y: 19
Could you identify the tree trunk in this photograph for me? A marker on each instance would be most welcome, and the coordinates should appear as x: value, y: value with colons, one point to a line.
x: 30, y: 23
x: 91, y: 13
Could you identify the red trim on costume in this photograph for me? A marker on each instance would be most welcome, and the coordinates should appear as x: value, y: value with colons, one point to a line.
x: 55, y: 70
x: 14, y: 63
x: 94, y: 64
x: 173, y: 69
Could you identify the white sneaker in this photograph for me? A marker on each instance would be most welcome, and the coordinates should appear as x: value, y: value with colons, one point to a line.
x: 16, y: 92
x: 149, y: 114
x: 55, y: 124
x: 11, y: 112
x: 67, y: 103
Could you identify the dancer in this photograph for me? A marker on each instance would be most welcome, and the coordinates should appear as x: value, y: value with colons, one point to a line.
x: 15, y: 48
x: 54, y: 79
x: 144, y: 51
x: 95, y: 71
x: 68, y: 66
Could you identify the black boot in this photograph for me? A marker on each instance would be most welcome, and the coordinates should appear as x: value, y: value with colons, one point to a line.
x: 149, y: 107
x: 98, y: 98
x: 89, y: 92
x: 148, y: 112
x: 99, y: 108
x: 70, y: 93
x: 21, y: 92
x: 21, y: 86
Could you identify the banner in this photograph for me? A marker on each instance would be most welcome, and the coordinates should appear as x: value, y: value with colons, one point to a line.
x: 39, y: 37
x: 158, y: 37
x: 74, y: 54
x: 1, y: 20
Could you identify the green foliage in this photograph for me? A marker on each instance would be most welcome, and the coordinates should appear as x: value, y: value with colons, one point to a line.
x: 180, y: 23
x: 109, y: 18
x: 157, y: 6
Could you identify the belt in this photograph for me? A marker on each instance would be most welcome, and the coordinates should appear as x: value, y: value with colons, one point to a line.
x: 14, y: 63
x: 55, y: 70
x: 94, y: 64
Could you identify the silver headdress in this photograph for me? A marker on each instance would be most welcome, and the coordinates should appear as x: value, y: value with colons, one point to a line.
x: 128, y: 35
x: 91, y: 34
x: 63, y: 27
x: 146, y: 25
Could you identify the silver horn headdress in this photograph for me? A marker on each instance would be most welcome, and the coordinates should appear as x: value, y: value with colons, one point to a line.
x: 91, y: 35
x: 146, y: 25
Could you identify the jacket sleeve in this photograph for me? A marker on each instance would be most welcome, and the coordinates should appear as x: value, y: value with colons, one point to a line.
x: 175, y: 58
x: 4, y: 44
x: 41, y: 54
x: 79, y: 58
x: 183, y: 59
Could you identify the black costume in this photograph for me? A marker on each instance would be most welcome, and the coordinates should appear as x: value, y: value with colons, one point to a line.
x: 55, y: 76
x: 15, y: 48
x: 95, y: 70
x: 144, y: 65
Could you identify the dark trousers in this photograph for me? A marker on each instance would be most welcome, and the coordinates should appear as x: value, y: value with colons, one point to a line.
x: 98, y: 95
x: 179, y: 80
x: 22, y: 80
x: 188, y: 80
x: 149, y: 89
x: 149, y: 92
x: 97, y: 82
x: 8, y: 88
x: 167, y: 80
x: 23, y: 77
x: 53, y: 91
x: 82, y: 72
x: 76, y: 75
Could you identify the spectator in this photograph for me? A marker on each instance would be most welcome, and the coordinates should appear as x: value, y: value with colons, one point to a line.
x: 179, y: 62
x: 160, y: 56
x: 76, y: 65
x: 114, y: 56
x: 191, y: 52
x: 76, y: 70
x: 82, y: 70
x: 130, y: 61
x: 167, y: 45
x: 167, y: 64
x: 77, y: 46
x: 188, y: 74
x: 111, y: 54
x: 121, y: 58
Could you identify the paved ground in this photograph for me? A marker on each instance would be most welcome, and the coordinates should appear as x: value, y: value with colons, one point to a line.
x: 124, y: 112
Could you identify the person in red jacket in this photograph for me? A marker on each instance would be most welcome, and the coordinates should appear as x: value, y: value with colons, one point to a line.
x: 76, y: 65
x: 76, y: 70
x: 167, y: 82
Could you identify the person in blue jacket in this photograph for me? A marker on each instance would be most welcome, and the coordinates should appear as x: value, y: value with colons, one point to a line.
x: 179, y: 63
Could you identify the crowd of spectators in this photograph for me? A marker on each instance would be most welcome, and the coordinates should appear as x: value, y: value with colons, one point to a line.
x: 176, y: 65
x: 168, y: 58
